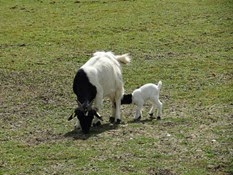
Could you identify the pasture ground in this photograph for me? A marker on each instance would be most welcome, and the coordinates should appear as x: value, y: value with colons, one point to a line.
x: 186, y: 44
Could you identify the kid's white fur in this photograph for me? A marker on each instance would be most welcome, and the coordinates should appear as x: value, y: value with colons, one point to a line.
x: 147, y: 92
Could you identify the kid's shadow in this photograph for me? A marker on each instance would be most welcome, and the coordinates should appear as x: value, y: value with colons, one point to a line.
x: 146, y: 120
x: 77, y: 134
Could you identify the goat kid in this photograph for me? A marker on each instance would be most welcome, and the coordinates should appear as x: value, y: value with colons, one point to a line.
x: 141, y: 95
x: 99, y: 77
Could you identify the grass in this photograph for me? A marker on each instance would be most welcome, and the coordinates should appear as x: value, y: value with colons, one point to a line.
x: 186, y: 44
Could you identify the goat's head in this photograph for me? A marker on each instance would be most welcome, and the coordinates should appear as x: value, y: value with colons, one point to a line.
x: 85, y: 115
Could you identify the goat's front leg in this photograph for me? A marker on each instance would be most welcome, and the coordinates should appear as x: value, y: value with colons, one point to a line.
x: 96, y: 122
x: 77, y: 125
x: 98, y: 102
x: 97, y: 119
x: 97, y: 106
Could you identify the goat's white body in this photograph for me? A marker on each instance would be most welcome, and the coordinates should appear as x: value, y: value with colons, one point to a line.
x: 144, y: 93
x: 104, y: 72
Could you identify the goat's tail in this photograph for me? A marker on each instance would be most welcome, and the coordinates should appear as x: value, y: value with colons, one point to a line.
x: 125, y: 58
x: 159, y: 85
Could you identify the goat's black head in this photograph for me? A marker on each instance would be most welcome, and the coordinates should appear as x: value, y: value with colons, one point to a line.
x: 85, y: 119
x: 85, y: 115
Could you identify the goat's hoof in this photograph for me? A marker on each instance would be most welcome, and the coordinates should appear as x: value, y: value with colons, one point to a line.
x: 137, y: 119
x: 111, y: 119
x: 118, y: 121
x: 158, y: 118
x: 97, y: 124
x: 151, y: 115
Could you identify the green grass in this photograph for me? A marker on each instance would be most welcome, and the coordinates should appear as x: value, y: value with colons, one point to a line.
x: 186, y: 44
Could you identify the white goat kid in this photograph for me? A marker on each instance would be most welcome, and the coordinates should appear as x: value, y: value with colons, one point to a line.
x: 141, y: 95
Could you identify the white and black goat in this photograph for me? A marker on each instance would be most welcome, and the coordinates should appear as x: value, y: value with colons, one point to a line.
x: 141, y: 95
x: 99, y: 77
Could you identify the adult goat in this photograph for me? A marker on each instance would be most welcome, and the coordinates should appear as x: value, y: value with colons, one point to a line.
x: 99, y: 77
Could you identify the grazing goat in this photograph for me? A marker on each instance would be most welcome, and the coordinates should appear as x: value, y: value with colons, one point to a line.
x: 99, y: 77
x: 141, y: 95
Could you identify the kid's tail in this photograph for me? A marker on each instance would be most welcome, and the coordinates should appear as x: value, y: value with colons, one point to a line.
x: 159, y: 85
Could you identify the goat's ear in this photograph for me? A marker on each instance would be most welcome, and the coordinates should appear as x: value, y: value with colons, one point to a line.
x: 71, y: 117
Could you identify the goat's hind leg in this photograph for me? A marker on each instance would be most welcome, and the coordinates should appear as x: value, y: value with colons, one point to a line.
x: 138, y: 114
x: 115, y: 118
x: 117, y: 111
x: 152, y: 110
x: 160, y: 106
x: 116, y: 100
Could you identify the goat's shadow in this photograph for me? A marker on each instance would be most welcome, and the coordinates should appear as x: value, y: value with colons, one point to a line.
x: 77, y: 134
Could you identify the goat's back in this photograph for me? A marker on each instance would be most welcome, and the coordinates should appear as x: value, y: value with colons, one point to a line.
x: 104, y: 71
x: 146, y: 91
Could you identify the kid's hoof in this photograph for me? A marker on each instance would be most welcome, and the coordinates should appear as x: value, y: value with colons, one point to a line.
x: 97, y: 124
x: 111, y: 119
x: 158, y: 118
x: 118, y: 121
